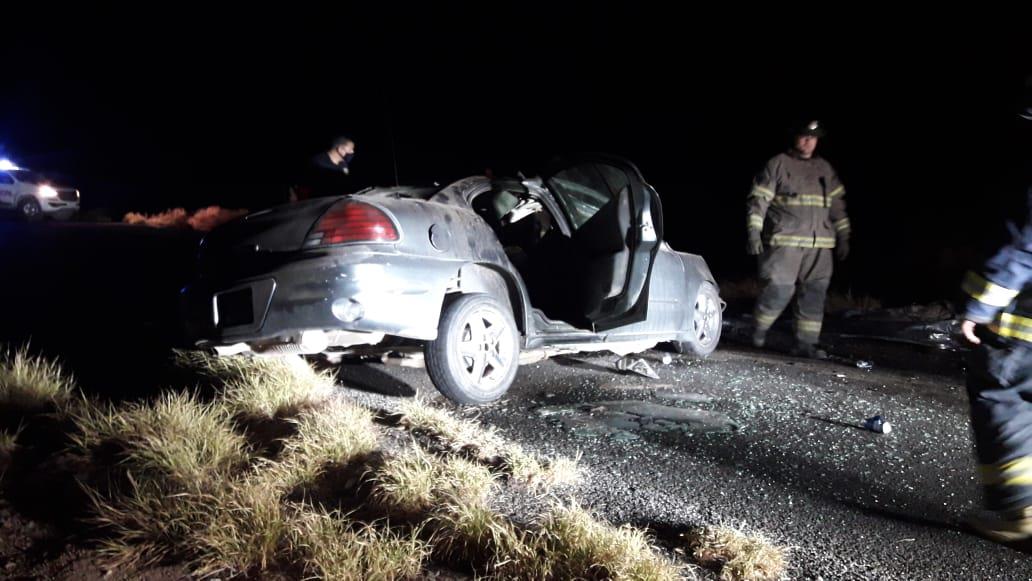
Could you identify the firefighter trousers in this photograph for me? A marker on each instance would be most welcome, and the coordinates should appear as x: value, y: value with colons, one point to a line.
x: 999, y: 384
x: 787, y: 271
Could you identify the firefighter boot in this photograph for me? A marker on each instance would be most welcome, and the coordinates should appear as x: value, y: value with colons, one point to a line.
x: 1005, y: 526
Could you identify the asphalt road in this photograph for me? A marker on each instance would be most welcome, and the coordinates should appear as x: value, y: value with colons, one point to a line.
x: 764, y: 442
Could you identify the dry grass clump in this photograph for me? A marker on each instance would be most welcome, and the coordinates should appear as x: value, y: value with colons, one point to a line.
x: 736, y: 555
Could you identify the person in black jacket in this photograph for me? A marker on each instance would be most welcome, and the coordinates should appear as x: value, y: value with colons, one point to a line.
x: 328, y: 173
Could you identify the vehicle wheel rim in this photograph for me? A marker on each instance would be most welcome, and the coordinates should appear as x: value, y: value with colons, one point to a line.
x: 30, y: 210
x: 486, y: 348
x: 706, y: 319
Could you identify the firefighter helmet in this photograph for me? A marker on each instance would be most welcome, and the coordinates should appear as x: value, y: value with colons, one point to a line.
x: 814, y: 128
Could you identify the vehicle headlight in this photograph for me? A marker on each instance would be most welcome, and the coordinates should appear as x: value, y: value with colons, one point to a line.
x: 47, y: 192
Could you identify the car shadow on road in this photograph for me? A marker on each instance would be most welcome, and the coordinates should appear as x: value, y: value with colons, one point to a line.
x: 567, y: 361
x: 370, y: 379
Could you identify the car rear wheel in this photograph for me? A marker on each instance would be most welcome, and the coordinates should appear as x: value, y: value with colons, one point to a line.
x: 30, y: 210
x: 474, y: 358
x: 706, y: 323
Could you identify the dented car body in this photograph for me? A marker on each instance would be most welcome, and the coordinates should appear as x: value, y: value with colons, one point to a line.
x: 478, y: 271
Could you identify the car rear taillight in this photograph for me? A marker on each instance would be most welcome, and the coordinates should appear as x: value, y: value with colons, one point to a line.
x: 351, y: 221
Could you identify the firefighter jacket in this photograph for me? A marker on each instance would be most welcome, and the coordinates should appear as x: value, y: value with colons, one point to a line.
x: 798, y: 202
x: 1001, y: 293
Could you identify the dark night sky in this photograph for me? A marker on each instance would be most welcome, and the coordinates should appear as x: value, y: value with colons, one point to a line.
x: 148, y: 110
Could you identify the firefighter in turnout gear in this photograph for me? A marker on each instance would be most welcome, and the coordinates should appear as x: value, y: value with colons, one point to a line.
x: 796, y: 217
x: 998, y: 320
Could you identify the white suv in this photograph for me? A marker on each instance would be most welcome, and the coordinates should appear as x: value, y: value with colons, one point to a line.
x: 35, y: 197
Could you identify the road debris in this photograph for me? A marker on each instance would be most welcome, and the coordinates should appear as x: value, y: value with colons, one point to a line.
x: 639, y: 366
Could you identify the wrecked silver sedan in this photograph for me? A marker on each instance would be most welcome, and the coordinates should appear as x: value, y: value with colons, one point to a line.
x: 476, y: 271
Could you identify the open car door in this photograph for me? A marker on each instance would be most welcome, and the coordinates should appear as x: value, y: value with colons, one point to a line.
x: 614, y: 225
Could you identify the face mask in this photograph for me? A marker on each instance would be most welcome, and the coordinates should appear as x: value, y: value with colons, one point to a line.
x: 348, y: 157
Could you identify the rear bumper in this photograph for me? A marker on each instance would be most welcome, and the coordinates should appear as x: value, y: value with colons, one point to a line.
x: 365, y: 293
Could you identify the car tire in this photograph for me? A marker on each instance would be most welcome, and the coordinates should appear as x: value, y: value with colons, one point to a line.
x: 706, y: 323
x: 30, y: 210
x: 474, y: 359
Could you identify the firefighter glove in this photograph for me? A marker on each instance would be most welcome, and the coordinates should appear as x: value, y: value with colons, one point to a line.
x: 755, y: 246
x: 842, y: 248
